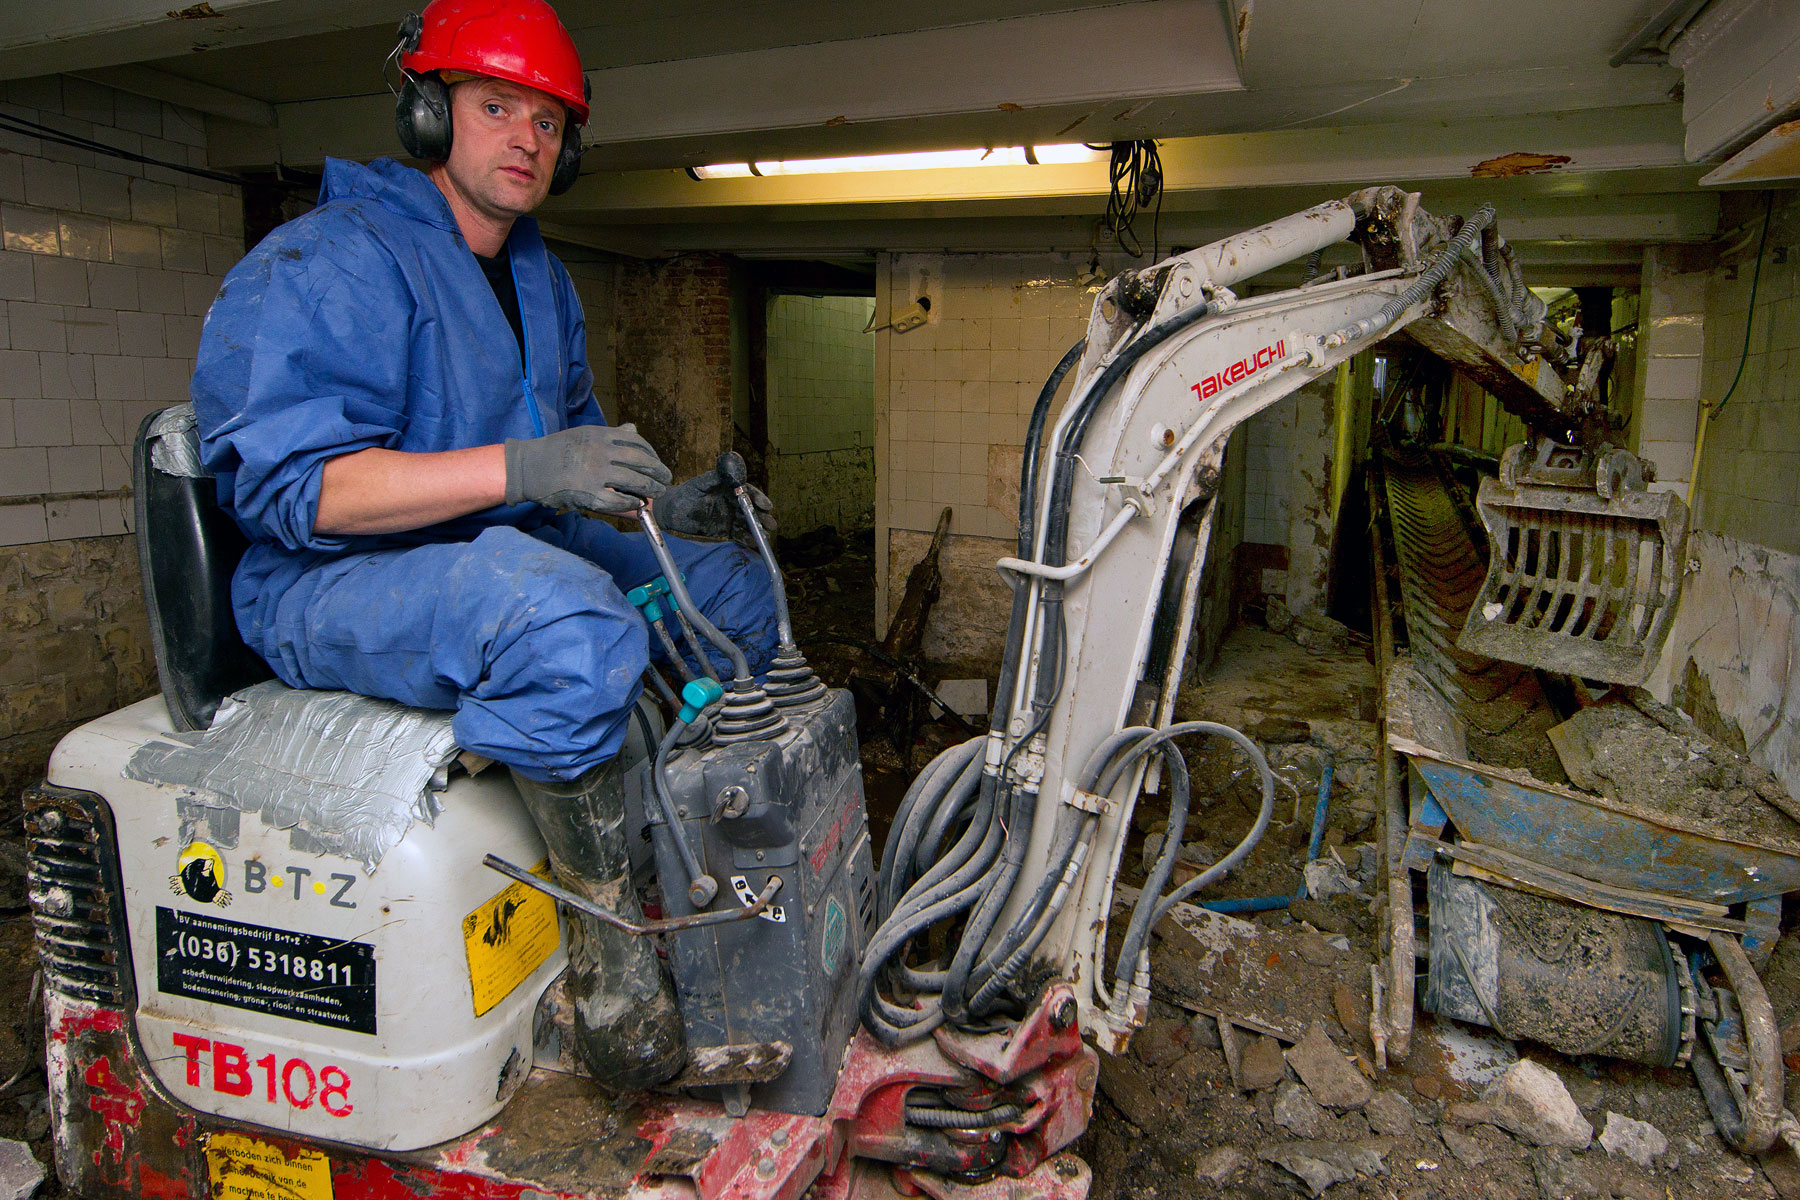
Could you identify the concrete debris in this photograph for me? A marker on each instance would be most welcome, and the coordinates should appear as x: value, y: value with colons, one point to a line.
x: 1562, y: 1176
x: 1319, y: 1165
x: 1203, y: 1032
x: 1640, y: 1141
x: 1531, y: 1102
x: 1320, y: 634
x: 21, y: 1174
x: 1326, y: 877
x: 1333, y: 1079
x: 1219, y: 1166
x: 1468, y: 1151
x: 1390, y: 1113
x: 1160, y: 1043
x: 1297, y: 1111
x: 1327, y: 918
x: 1262, y: 1065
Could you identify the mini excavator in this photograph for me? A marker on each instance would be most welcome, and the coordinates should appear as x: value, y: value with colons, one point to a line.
x: 295, y: 945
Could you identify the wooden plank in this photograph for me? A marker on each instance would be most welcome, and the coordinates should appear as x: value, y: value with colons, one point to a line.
x: 1498, y: 866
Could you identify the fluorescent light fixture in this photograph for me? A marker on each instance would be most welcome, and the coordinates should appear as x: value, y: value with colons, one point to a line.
x: 926, y: 160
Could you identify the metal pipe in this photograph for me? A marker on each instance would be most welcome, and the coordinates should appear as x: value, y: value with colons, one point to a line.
x: 702, y: 887
x: 662, y: 925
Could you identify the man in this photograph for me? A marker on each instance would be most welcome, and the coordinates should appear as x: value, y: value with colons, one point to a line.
x: 393, y: 392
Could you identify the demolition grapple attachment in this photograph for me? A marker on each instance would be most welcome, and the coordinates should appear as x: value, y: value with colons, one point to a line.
x: 1584, y: 563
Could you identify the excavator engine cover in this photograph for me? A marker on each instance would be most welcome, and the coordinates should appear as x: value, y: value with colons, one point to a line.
x: 1584, y: 564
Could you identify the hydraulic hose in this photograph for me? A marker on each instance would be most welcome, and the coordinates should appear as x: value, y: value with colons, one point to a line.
x: 1503, y: 314
x: 1242, y: 850
x: 1421, y: 287
x: 954, y: 760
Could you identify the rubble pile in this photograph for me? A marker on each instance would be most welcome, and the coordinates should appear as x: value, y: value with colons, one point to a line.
x: 1258, y: 1074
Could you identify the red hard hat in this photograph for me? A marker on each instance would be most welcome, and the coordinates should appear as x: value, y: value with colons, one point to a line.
x: 518, y: 40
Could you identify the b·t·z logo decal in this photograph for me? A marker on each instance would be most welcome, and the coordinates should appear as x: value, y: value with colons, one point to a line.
x: 200, y: 875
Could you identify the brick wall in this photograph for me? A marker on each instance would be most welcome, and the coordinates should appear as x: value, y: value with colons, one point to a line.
x: 821, y: 398
x: 106, y: 269
x: 672, y: 337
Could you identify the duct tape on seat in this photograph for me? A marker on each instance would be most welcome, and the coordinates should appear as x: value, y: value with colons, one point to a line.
x: 347, y: 774
x: 175, y: 443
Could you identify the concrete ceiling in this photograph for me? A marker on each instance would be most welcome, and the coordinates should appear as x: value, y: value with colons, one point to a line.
x: 1260, y: 106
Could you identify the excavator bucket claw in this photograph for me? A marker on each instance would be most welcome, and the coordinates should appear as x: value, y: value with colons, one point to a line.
x: 1584, y: 564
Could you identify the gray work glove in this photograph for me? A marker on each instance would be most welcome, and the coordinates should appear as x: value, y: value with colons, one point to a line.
x: 588, y: 468
x: 704, y: 506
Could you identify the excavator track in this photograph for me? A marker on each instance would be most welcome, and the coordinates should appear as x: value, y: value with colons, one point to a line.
x: 1442, y: 567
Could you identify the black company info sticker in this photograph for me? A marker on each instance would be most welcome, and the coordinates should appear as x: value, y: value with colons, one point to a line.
x: 300, y: 976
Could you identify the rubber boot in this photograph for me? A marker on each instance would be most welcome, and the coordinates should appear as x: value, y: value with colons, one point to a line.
x: 627, y: 1027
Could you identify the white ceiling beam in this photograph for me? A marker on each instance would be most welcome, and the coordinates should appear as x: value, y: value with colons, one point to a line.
x: 1151, y: 48
x: 1741, y: 69
x: 361, y: 126
x: 79, y: 35
x: 1680, y: 219
x: 1565, y: 147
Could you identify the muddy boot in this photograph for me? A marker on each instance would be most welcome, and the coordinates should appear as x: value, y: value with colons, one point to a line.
x: 627, y: 1027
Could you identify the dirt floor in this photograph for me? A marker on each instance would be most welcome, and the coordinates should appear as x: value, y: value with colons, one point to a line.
x: 1280, y: 1099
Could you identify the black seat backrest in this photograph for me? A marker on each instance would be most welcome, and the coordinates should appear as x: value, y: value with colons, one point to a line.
x: 187, y: 549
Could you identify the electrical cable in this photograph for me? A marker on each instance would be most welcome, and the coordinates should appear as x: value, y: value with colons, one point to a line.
x: 1750, y: 311
x: 1134, y: 179
x: 29, y: 128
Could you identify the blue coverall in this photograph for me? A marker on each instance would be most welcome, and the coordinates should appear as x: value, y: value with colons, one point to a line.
x: 368, y: 322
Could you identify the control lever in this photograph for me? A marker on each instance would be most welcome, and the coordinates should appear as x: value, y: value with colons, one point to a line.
x: 790, y: 680
x: 688, y: 612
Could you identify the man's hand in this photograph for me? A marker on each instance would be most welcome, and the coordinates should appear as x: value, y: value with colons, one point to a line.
x: 589, y: 468
x: 705, y: 507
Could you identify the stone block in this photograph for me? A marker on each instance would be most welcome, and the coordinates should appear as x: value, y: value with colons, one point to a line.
x: 1531, y: 1102
x: 1333, y: 1079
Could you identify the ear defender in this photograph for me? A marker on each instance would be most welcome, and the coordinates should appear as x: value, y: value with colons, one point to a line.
x: 422, y: 112
x: 568, y: 158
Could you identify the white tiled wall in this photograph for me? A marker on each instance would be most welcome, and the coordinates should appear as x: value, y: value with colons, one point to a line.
x: 1267, y: 475
x: 1670, y: 336
x: 962, y: 386
x: 821, y: 384
x: 821, y: 367
x: 106, y: 270
x: 1749, y: 482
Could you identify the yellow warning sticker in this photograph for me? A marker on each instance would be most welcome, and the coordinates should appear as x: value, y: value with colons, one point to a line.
x: 508, y: 938
x: 243, y: 1168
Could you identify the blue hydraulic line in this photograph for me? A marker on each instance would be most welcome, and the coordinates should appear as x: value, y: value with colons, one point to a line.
x: 1255, y: 904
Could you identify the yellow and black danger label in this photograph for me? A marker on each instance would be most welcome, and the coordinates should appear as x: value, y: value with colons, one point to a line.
x: 508, y: 938
x: 244, y: 1168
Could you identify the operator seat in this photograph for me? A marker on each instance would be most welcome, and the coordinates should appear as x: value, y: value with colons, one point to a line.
x: 187, y: 549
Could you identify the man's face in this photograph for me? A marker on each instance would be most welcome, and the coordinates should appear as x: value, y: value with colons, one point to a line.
x: 505, y: 144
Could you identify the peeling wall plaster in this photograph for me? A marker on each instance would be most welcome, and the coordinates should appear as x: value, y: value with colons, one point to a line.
x: 1736, y: 631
